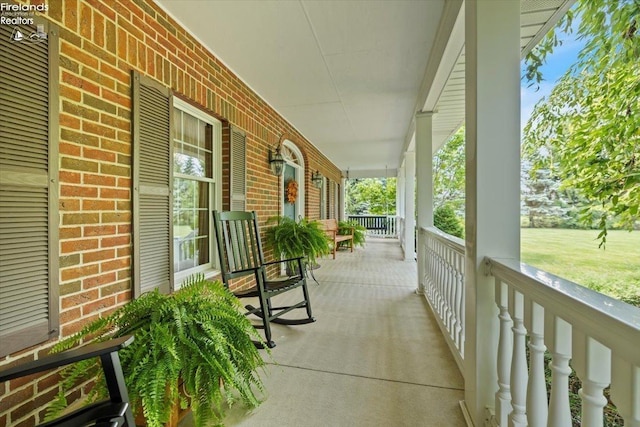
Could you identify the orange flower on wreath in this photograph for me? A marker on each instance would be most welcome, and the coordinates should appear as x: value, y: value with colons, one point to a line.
x: 292, y: 191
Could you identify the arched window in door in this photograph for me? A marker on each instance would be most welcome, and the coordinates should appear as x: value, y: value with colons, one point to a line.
x: 291, y: 205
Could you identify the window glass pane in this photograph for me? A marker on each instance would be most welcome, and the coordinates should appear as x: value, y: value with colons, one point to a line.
x: 187, y: 160
x: 208, y: 158
x: 193, y: 149
x: 190, y: 129
x: 191, y: 223
x: 177, y: 124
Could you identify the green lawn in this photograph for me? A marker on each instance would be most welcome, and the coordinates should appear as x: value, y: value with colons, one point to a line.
x: 574, y: 255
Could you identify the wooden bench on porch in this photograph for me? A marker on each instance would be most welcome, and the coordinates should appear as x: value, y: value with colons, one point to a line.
x: 330, y: 226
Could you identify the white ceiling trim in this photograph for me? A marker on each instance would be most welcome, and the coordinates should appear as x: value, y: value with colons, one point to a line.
x: 445, y: 52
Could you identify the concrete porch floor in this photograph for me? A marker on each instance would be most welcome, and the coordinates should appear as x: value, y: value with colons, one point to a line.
x: 374, y: 357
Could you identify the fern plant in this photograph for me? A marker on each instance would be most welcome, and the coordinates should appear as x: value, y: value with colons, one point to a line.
x: 290, y: 238
x: 359, y: 232
x: 197, y: 335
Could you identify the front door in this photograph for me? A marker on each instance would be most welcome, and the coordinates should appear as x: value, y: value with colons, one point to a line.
x: 289, y: 210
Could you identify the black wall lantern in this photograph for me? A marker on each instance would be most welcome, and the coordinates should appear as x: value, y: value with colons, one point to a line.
x: 316, y: 178
x: 276, y: 162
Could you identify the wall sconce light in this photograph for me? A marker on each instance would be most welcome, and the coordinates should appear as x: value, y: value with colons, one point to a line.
x: 316, y: 178
x: 276, y: 162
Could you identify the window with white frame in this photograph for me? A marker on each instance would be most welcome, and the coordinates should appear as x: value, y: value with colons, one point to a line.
x: 323, y: 199
x: 196, y: 178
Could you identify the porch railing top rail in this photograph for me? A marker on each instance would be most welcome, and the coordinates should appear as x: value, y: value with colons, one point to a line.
x: 371, y: 222
x: 613, y: 323
x: 448, y: 240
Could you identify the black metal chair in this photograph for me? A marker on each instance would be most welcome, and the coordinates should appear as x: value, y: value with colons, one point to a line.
x: 114, y: 412
x: 240, y: 253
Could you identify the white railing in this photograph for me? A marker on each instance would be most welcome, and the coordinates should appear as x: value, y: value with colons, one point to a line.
x: 392, y: 227
x: 377, y: 225
x: 400, y: 229
x: 441, y: 264
x: 598, y: 334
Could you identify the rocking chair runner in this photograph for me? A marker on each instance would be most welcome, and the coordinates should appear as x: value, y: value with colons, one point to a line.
x: 240, y: 253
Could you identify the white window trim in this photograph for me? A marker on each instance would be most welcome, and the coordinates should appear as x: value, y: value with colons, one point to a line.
x: 324, y: 210
x: 300, y: 176
x: 215, y: 202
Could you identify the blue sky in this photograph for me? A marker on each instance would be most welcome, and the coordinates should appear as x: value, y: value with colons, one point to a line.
x: 555, y: 67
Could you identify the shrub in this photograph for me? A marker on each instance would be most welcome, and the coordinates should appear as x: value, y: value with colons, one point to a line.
x: 359, y: 232
x: 445, y: 218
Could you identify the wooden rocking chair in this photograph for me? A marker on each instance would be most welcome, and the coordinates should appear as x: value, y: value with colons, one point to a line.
x: 240, y: 253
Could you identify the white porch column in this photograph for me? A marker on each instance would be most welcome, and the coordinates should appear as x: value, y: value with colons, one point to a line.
x: 492, y: 46
x: 400, y: 193
x: 409, y: 204
x: 424, y: 182
x: 343, y: 192
x: 400, y: 205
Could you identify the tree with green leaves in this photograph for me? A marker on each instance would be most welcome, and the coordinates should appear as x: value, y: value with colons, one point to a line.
x: 372, y: 196
x: 540, y: 197
x: 587, y: 131
x: 448, y: 173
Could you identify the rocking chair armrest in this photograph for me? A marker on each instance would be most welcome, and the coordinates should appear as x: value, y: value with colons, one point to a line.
x: 65, y: 358
x: 280, y: 261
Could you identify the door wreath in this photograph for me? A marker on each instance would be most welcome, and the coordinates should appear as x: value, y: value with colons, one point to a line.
x: 292, y: 191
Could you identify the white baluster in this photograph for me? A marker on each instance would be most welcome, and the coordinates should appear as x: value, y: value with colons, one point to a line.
x: 443, y: 301
x: 429, y: 270
x: 456, y: 300
x: 625, y: 390
x: 449, y: 291
x: 505, y: 344
x: 432, y: 268
x: 518, y: 417
x: 557, y: 337
x: 462, y: 308
x: 537, y: 406
x: 445, y: 282
x: 436, y: 259
x: 592, y: 363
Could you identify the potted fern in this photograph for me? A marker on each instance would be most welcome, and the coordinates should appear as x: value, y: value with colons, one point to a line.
x: 359, y: 232
x: 192, y: 348
x: 289, y: 238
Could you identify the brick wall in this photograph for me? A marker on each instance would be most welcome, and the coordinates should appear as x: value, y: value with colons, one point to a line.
x: 100, y: 44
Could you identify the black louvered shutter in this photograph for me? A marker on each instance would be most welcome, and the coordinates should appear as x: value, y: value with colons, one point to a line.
x: 28, y: 187
x: 152, y: 186
x: 238, y: 170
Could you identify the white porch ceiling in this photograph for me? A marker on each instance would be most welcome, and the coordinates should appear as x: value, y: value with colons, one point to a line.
x: 349, y: 74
